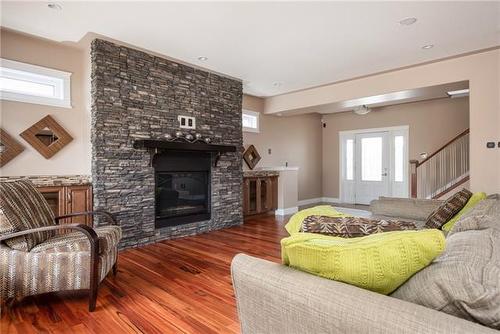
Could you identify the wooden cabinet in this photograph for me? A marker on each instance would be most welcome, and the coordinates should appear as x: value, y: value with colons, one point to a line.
x: 70, y: 199
x: 260, y: 194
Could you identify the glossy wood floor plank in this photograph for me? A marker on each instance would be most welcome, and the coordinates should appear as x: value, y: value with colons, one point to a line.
x: 175, y: 286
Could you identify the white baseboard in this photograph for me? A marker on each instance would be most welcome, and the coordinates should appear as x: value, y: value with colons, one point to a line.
x: 286, y: 211
x: 318, y: 200
x: 310, y: 201
x: 330, y: 200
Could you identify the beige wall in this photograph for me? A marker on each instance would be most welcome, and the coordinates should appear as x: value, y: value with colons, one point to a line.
x: 293, y: 139
x: 15, y: 117
x: 431, y: 124
x: 481, y: 69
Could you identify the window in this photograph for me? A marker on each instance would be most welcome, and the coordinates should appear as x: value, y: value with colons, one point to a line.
x: 349, y: 162
x: 250, y: 121
x: 398, y: 158
x: 34, y: 84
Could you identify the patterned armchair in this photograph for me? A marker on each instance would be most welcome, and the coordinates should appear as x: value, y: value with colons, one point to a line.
x: 34, y: 259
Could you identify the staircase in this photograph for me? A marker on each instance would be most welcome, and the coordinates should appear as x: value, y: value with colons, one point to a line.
x: 443, y: 171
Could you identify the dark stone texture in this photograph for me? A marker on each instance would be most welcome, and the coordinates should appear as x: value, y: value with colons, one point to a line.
x: 136, y: 95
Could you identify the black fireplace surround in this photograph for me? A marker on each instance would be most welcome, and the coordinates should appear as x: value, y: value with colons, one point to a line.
x: 182, y: 187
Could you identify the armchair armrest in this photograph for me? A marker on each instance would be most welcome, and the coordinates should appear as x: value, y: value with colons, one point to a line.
x: 106, y: 214
x: 86, y: 230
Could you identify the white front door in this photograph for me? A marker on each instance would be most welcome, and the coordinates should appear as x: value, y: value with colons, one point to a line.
x: 372, y: 160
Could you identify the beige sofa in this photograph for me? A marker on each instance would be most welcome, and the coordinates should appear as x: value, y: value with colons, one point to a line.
x: 273, y: 298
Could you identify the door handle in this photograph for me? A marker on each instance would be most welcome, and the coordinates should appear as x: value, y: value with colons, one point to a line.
x: 384, y: 174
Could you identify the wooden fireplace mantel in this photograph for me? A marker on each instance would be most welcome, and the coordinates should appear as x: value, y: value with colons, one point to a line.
x: 156, y: 146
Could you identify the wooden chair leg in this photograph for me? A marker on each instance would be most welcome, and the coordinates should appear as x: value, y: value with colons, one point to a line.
x: 92, y: 299
x: 94, y: 275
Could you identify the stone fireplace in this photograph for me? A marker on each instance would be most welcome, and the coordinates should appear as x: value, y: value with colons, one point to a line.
x: 182, y: 188
x: 167, y: 193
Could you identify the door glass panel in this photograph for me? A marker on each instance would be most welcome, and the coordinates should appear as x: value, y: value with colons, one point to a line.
x: 349, y: 155
x: 371, y: 159
x: 398, y: 158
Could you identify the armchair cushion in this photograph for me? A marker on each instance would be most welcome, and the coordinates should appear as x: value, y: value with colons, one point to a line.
x: 109, y: 236
x: 23, y: 207
x: 29, y: 273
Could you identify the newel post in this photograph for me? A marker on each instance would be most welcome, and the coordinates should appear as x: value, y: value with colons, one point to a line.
x: 413, y: 172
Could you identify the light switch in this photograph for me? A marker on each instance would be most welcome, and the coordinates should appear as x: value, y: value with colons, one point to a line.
x: 186, y: 122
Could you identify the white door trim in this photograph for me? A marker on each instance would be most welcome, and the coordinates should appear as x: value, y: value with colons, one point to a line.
x: 389, y: 128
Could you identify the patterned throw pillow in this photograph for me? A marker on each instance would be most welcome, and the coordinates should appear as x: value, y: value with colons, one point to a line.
x: 350, y: 227
x: 22, y: 207
x: 448, y: 209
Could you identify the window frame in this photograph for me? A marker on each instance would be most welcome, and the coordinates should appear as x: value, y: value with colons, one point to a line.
x: 254, y: 114
x: 60, y: 80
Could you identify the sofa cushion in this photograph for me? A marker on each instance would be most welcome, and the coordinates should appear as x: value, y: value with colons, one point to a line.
x: 448, y: 209
x: 465, y: 280
x: 23, y: 207
x: 379, y: 262
x: 109, y: 236
x: 486, y: 214
x: 349, y: 227
x: 408, y: 208
x: 471, y: 203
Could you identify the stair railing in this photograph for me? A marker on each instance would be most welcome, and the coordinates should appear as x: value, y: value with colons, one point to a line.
x: 443, y: 170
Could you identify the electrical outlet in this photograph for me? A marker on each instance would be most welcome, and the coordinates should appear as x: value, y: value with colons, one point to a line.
x: 269, y: 150
x: 186, y: 122
x: 490, y: 144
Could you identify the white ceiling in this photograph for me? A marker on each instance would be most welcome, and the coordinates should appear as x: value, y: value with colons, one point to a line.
x: 300, y: 44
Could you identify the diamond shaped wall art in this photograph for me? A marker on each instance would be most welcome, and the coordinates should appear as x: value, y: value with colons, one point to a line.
x: 251, y: 156
x: 47, y: 137
x: 9, y: 148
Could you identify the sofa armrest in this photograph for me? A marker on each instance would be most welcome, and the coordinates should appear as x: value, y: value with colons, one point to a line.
x: 407, y: 208
x: 273, y: 298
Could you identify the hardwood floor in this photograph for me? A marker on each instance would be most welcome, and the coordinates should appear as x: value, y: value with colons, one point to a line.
x: 175, y: 286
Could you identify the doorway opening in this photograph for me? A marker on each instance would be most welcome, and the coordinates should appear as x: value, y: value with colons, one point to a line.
x: 373, y: 163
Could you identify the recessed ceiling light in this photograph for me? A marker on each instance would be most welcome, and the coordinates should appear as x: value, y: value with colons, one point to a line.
x: 202, y: 58
x: 458, y: 93
x: 408, y: 21
x: 277, y: 84
x: 427, y: 47
x: 54, y: 6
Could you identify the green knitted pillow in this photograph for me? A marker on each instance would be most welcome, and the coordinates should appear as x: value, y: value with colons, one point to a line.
x: 379, y: 262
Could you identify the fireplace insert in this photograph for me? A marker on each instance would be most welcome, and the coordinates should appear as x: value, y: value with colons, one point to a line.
x: 182, y: 190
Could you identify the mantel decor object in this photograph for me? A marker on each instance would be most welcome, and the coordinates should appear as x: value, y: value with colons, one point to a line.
x: 251, y: 157
x: 9, y: 148
x: 47, y: 137
x: 183, y: 143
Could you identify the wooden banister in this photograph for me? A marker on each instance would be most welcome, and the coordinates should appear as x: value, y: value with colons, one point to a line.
x: 439, y: 177
x: 441, y: 148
